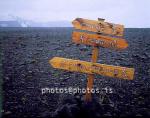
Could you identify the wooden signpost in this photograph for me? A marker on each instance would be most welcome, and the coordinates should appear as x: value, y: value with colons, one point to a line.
x: 92, y: 68
x: 98, y: 26
x: 96, y: 40
x: 99, y: 40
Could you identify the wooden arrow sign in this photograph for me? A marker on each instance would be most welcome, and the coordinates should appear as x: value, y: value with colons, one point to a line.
x: 99, y: 40
x: 98, y: 26
x: 92, y: 68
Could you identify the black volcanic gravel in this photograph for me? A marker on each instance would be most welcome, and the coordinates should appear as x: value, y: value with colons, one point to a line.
x: 25, y: 53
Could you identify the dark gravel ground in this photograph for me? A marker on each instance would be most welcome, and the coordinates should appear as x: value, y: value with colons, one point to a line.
x: 25, y: 53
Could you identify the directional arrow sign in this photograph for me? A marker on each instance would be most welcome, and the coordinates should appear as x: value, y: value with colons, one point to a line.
x: 98, y: 26
x: 99, y: 40
x: 92, y: 68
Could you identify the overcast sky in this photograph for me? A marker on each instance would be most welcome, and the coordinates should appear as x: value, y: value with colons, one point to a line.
x: 131, y: 13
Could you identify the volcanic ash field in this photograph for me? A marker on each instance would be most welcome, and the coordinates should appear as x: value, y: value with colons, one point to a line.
x: 25, y: 54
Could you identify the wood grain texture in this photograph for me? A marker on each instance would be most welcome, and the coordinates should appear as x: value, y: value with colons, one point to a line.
x: 90, y: 77
x: 92, y: 68
x: 99, y: 40
x: 98, y: 26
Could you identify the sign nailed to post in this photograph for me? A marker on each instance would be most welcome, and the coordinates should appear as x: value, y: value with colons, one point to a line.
x: 99, y: 40
x: 92, y: 68
x: 98, y: 26
x: 95, y: 40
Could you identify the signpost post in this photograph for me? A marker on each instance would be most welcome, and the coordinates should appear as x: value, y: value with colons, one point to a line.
x: 90, y: 77
x: 96, y: 40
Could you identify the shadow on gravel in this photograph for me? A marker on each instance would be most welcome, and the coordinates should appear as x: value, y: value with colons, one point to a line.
x: 78, y: 108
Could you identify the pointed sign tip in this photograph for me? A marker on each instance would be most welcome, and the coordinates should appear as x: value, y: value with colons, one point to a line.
x: 52, y: 61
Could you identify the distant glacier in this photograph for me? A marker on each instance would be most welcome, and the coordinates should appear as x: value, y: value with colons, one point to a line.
x: 23, y: 23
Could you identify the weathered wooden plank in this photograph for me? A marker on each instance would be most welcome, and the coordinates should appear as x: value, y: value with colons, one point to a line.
x: 90, y: 77
x: 92, y: 68
x: 99, y: 40
x: 98, y: 26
